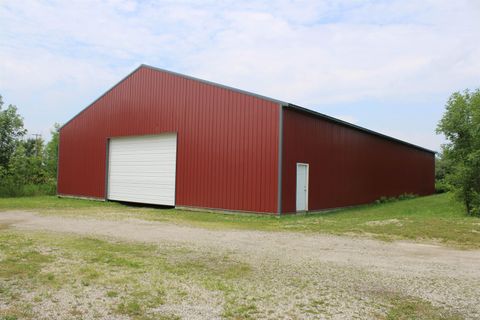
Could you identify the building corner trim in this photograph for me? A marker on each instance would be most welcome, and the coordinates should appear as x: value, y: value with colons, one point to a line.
x: 58, y: 163
x: 280, y: 158
x: 107, y: 167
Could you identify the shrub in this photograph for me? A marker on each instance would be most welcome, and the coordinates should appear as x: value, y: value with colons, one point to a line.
x: 404, y: 196
x: 9, y: 188
x: 441, y: 186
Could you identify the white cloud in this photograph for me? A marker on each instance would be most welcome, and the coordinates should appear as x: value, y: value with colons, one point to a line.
x: 343, y: 61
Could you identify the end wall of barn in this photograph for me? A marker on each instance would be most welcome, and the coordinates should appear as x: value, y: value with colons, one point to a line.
x: 227, y: 152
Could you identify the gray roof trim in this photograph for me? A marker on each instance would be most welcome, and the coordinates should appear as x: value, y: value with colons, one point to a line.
x: 353, y: 126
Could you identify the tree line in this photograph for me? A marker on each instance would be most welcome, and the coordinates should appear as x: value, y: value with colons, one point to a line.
x: 28, y: 165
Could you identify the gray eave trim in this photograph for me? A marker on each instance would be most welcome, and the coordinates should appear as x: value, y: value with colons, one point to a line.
x: 353, y: 126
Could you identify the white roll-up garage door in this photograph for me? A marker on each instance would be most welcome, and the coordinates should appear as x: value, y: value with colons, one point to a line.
x: 142, y: 169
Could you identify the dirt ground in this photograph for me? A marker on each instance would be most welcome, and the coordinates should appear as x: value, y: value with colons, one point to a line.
x: 342, y: 270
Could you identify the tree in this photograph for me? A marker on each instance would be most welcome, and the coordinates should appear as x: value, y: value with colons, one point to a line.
x: 11, y: 131
x: 51, y: 153
x: 442, y: 169
x: 27, y: 167
x: 33, y: 146
x: 461, y: 126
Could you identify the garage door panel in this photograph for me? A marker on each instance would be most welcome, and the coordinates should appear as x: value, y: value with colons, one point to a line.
x: 127, y: 160
x: 146, y: 171
x: 145, y: 190
x: 142, y: 180
x: 145, y: 142
x: 142, y: 169
x: 146, y: 194
x: 141, y: 149
x: 127, y: 186
x: 148, y: 167
x: 143, y: 199
x: 127, y: 155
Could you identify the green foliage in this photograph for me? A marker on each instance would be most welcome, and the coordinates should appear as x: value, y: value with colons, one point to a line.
x: 50, y: 153
x: 10, y: 188
x: 27, y: 167
x: 461, y: 126
x: 27, y: 174
x: 11, y: 131
x: 442, y: 169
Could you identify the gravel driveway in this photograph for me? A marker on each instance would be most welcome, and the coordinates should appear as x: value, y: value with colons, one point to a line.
x: 344, y: 271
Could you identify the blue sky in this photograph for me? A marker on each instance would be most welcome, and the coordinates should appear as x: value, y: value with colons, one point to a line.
x: 387, y: 65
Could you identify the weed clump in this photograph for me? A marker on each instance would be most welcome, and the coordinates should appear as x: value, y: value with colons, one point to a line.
x: 404, y: 196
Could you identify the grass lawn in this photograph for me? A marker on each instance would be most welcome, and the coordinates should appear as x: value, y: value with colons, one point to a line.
x: 436, y: 218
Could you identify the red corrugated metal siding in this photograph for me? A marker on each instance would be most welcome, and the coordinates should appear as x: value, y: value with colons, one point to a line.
x: 227, y: 155
x: 347, y: 166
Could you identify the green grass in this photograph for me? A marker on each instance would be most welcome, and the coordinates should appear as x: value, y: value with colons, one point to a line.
x: 134, y: 277
x: 20, y: 261
x: 52, y: 202
x: 413, y: 309
x: 435, y: 218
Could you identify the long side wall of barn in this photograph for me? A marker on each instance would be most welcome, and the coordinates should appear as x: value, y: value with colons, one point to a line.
x: 227, y: 151
x: 347, y: 166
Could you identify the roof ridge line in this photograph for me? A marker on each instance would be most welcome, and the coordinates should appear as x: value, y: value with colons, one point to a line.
x: 216, y: 84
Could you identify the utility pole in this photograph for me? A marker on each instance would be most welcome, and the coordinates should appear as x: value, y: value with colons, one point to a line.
x: 37, y: 136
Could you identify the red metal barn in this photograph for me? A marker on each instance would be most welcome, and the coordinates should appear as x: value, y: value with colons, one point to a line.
x: 163, y: 138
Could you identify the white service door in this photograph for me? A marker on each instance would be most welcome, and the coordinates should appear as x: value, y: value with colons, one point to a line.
x: 302, y: 187
x: 142, y: 169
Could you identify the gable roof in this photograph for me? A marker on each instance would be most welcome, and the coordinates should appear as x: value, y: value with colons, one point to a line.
x: 178, y: 75
x: 281, y: 103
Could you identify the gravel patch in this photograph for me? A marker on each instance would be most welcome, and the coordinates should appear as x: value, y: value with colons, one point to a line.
x: 294, y: 275
x: 384, y: 222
